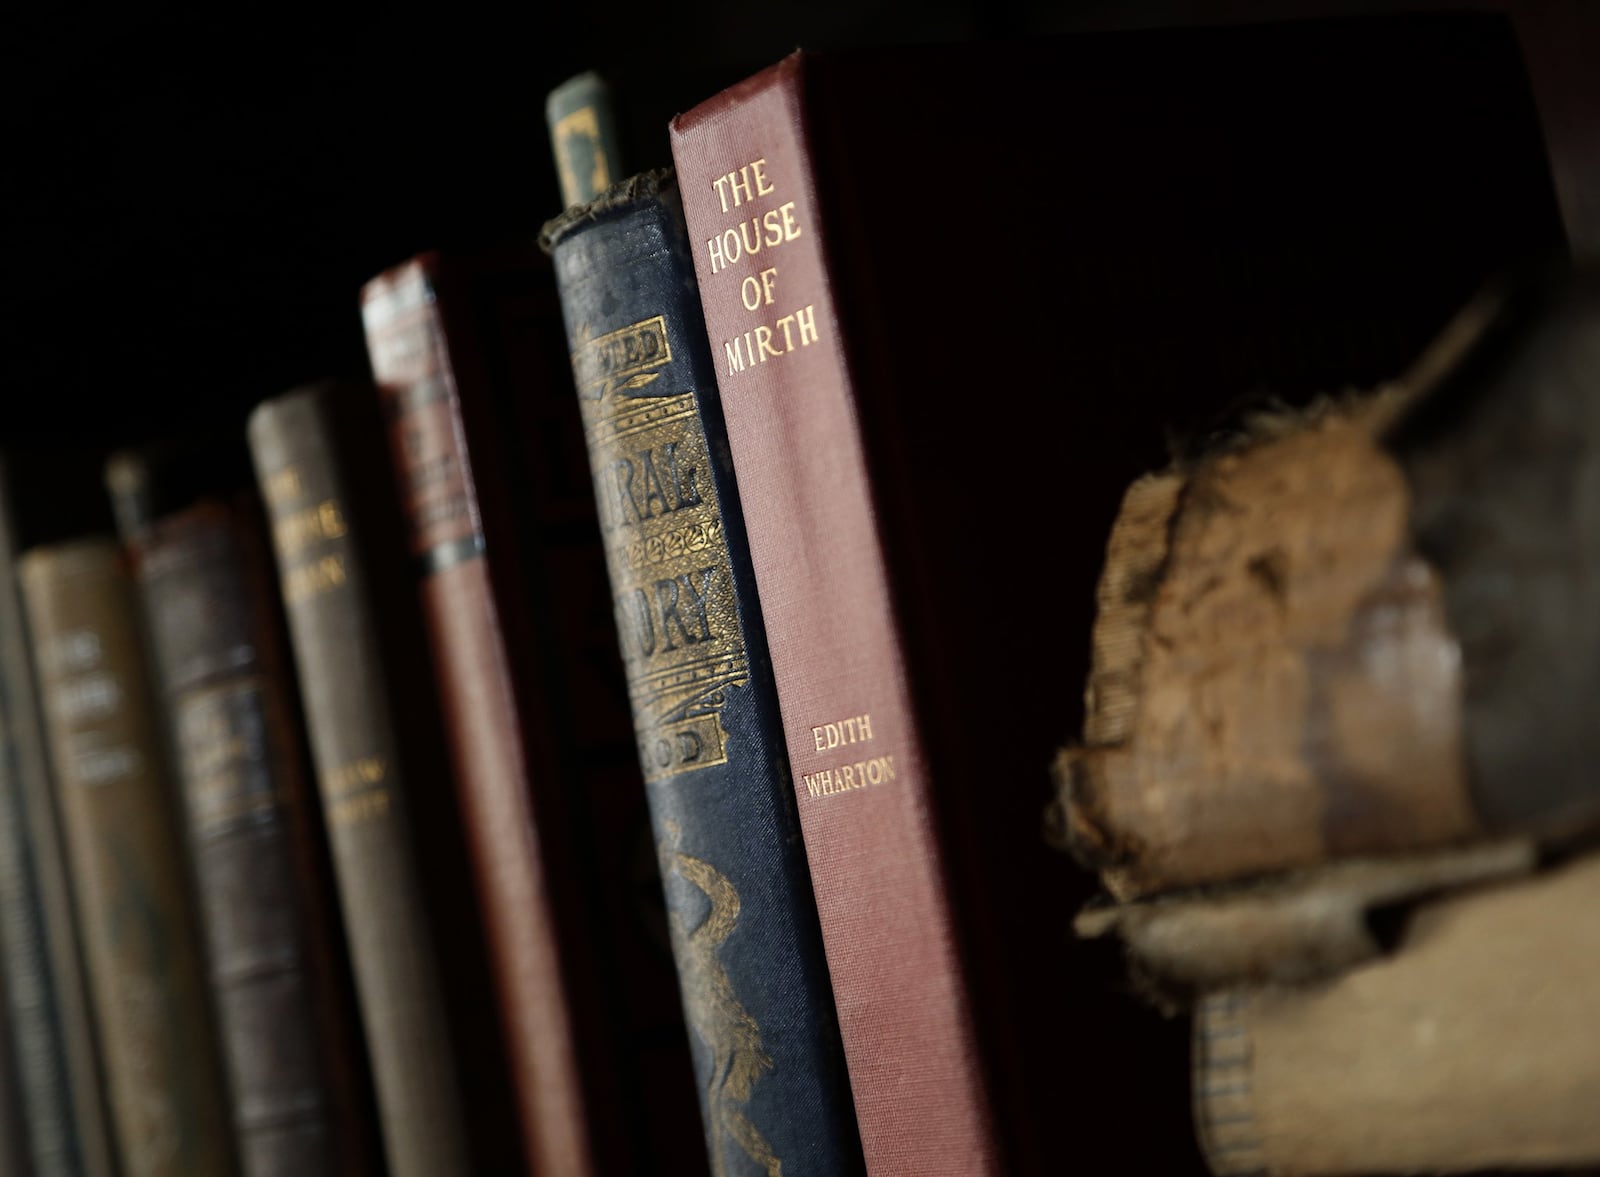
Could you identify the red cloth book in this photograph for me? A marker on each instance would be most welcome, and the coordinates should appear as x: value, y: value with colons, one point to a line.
x: 955, y: 296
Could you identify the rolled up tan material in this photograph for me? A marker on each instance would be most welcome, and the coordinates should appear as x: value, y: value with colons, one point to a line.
x: 1476, y: 1045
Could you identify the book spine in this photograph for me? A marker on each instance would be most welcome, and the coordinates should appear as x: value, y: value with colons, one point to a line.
x: 583, y: 135
x: 353, y: 745
x: 44, y: 1096
x: 141, y: 940
x: 13, y: 1133
x: 861, y: 777
x: 237, y: 770
x: 774, y: 1095
x: 47, y: 993
x: 407, y: 344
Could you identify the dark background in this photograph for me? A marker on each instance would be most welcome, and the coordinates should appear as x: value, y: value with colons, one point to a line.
x: 192, y: 200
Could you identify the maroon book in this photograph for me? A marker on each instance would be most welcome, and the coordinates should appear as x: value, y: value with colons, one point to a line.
x: 954, y: 296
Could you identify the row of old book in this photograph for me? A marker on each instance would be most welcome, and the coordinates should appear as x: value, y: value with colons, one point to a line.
x: 679, y: 630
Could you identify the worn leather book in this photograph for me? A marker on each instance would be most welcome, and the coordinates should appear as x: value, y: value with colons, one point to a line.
x: 470, y: 362
x: 1357, y: 629
x: 362, y: 782
x: 131, y: 871
x: 947, y: 332
x: 774, y: 1094
x: 1467, y: 1048
x: 200, y: 555
x: 58, y: 1074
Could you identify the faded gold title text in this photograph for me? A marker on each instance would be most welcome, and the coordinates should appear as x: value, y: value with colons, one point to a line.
x: 765, y: 224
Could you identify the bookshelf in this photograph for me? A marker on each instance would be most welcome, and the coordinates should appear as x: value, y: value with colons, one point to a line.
x: 196, y: 202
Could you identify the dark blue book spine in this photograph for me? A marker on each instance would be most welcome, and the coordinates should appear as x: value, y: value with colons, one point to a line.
x: 773, y: 1086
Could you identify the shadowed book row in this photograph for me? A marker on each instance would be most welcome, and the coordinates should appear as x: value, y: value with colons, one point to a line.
x: 617, y: 739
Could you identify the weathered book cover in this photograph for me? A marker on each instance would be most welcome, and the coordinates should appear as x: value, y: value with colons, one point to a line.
x: 200, y: 556
x: 470, y: 362
x: 774, y: 1093
x: 141, y: 938
x: 938, y: 378
x: 46, y: 990
x: 1315, y: 639
x: 362, y: 784
x: 1463, y: 1050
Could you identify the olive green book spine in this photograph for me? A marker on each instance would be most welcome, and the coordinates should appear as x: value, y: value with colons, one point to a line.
x: 355, y: 751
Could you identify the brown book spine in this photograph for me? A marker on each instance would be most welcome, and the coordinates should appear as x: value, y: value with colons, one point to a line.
x: 204, y: 575
x: 354, y: 749
x: 411, y: 364
x: 126, y: 848
x: 860, y: 773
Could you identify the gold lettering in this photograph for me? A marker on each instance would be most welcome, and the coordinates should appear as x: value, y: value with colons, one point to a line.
x: 309, y: 580
x: 298, y: 530
x: 791, y: 229
x: 750, y: 293
x: 283, y: 486
x: 758, y: 170
x: 807, y: 319
x: 363, y: 807
x: 768, y: 277
x: 764, y: 343
x: 734, y: 350
x: 737, y: 184
x: 331, y: 521
x: 368, y: 770
x: 717, y: 260
x: 854, y: 729
x: 750, y: 247
x: 843, y: 778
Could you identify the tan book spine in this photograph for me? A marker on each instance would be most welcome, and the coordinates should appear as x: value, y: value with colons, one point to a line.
x: 126, y: 851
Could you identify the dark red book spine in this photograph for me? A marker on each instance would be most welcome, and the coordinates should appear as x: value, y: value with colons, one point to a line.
x: 860, y: 773
x: 411, y: 364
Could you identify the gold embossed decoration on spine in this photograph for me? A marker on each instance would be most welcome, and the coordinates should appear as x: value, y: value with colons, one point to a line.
x: 681, y: 642
x: 715, y: 1011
